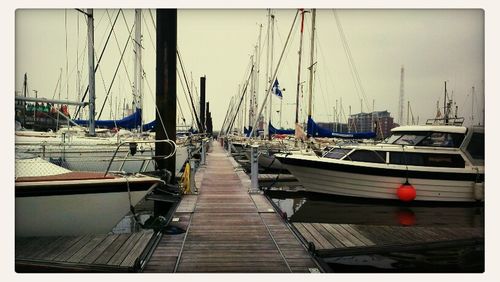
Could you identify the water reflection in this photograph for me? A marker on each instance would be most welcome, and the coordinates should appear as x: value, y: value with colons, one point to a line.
x: 308, y: 207
x: 317, y: 208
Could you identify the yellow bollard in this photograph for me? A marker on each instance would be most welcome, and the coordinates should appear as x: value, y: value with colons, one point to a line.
x: 185, y: 180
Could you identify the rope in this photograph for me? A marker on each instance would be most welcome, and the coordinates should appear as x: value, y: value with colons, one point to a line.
x: 131, y: 207
x: 352, y: 65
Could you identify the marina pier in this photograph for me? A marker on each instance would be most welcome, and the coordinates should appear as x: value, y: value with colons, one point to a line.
x: 228, y: 229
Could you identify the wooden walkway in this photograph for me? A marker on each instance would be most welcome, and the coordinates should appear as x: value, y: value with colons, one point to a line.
x: 352, y: 239
x: 228, y: 229
x: 88, y: 253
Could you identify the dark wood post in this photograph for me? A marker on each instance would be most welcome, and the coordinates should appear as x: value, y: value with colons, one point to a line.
x: 166, y: 61
x: 202, y: 103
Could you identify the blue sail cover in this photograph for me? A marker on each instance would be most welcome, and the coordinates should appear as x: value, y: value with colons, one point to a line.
x: 316, y: 131
x: 149, y: 126
x: 129, y: 122
x: 273, y: 130
x: 247, y: 131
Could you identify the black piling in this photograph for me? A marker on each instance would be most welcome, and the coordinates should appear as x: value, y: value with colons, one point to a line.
x: 166, y: 87
x: 209, y: 119
x: 202, y: 103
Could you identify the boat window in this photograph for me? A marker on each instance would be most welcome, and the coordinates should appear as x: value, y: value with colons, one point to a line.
x: 476, y: 146
x: 425, y: 159
x: 337, y: 153
x: 411, y: 139
x: 442, y: 139
x: 367, y: 156
x: 392, y: 138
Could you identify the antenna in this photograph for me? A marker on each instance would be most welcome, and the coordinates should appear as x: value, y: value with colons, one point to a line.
x: 401, y: 96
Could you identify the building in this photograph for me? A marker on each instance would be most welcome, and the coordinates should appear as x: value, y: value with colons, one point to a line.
x: 333, y: 126
x: 381, y: 121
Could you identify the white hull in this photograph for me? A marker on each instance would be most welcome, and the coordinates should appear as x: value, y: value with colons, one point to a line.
x: 380, y: 187
x: 70, y: 215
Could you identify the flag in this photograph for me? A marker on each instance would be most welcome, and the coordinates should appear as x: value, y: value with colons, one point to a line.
x: 276, y: 89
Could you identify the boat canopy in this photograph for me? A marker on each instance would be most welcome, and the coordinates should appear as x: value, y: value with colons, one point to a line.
x: 249, y: 130
x: 129, y: 122
x: 316, y: 131
x: 273, y: 130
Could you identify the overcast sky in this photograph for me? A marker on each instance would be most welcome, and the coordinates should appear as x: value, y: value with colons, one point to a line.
x: 433, y: 45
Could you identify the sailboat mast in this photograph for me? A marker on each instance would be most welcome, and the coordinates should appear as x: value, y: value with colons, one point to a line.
x: 444, y: 105
x: 270, y: 68
x: 90, y: 48
x: 472, y: 112
x: 267, y: 79
x: 257, y: 76
x: 138, y: 67
x: 311, y: 65
x: 251, y: 101
x: 408, y: 114
x: 298, y: 69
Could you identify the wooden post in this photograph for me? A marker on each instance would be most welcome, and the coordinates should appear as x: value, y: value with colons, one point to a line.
x: 202, y: 104
x: 166, y: 61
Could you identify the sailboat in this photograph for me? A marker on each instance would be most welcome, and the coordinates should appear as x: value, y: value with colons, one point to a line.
x: 51, y: 200
x: 73, y: 149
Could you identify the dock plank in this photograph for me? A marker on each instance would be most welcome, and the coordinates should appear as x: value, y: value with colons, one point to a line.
x: 87, y: 248
x: 137, y: 249
x: 111, y: 250
x: 124, y: 250
x: 230, y: 230
x: 99, y: 249
x: 68, y: 253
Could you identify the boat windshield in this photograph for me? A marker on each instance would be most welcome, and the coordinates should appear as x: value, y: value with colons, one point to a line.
x: 428, y: 139
x: 410, y: 138
x: 392, y: 138
x: 337, y: 153
x: 441, y: 139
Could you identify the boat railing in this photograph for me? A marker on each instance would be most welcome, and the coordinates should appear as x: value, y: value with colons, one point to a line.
x: 133, y: 150
x: 457, y: 121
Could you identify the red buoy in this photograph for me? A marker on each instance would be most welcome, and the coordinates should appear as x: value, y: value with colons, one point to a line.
x: 406, y: 192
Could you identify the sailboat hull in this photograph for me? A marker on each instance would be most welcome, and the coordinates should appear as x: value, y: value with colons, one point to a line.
x: 76, y: 207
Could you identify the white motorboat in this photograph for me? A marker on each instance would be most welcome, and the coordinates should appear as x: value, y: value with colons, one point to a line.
x: 51, y: 200
x: 437, y: 162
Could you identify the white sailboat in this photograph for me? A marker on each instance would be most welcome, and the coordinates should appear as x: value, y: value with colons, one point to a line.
x: 51, y: 200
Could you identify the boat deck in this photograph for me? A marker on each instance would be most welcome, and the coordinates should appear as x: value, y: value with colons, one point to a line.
x: 227, y: 229
x: 87, y: 253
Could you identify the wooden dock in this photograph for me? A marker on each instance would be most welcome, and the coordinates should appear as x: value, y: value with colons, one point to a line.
x: 227, y: 229
x: 351, y: 239
x: 87, y: 253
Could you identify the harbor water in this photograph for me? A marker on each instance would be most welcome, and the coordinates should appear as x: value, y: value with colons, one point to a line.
x: 307, y: 207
